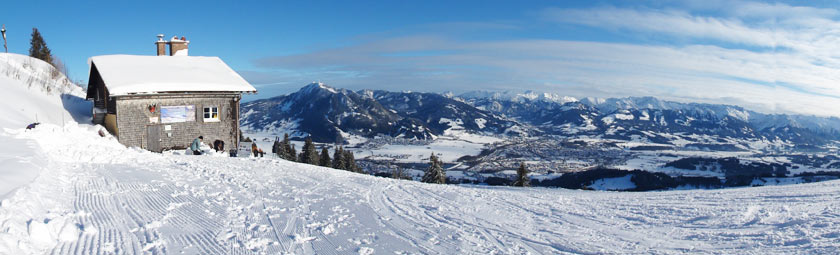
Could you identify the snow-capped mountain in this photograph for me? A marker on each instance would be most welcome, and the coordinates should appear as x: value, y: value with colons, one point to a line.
x: 648, y: 117
x: 518, y: 96
x: 324, y: 113
x: 651, y: 114
x: 329, y: 114
x: 437, y: 112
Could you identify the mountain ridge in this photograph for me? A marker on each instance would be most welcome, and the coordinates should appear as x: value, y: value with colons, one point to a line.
x: 424, y: 116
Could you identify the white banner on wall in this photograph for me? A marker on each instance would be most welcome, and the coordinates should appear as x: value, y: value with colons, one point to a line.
x: 178, y: 113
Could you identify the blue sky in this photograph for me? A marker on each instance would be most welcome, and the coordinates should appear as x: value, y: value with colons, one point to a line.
x: 768, y: 56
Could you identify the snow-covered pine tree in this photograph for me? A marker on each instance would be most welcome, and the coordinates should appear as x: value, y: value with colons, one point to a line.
x: 435, y: 173
x: 38, y: 48
x: 338, y: 158
x: 324, y: 159
x: 522, y: 179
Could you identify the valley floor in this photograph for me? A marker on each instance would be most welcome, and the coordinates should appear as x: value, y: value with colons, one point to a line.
x: 94, y: 196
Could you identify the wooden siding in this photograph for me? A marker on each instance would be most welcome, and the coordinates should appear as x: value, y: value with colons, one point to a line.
x: 133, y: 119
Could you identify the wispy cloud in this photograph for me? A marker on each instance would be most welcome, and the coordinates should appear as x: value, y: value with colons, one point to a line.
x: 668, y: 22
x: 768, y: 57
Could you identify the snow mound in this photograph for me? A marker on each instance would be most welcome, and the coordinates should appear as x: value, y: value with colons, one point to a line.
x: 33, y: 92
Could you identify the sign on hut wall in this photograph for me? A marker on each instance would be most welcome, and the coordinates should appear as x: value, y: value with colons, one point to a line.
x: 244, y: 149
x: 179, y: 113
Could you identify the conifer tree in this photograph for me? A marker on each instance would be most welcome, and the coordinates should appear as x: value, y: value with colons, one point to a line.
x: 324, y: 159
x: 292, y: 153
x: 435, y: 172
x: 522, y: 179
x: 308, y: 153
x: 350, y: 162
x: 286, y: 148
x: 314, y: 158
x: 281, y: 152
x: 38, y: 48
x: 338, y: 158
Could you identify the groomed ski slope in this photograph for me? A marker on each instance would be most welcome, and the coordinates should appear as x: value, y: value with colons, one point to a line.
x: 94, y: 196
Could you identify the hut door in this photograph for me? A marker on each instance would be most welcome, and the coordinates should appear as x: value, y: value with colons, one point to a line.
x: 153, y: 138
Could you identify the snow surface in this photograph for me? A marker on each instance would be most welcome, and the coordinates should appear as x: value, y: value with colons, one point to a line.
x: 95, y: 196
x: 31, y: 94
x: 455, y: 143
x: 18, y: 167
x: 617, y: 183
x: 448, y: 150
x: 132, y: 74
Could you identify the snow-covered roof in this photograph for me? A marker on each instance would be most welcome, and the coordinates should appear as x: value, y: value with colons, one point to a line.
x: 133, y: 74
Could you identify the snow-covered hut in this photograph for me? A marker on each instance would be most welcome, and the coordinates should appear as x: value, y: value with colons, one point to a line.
x: 164, y: 102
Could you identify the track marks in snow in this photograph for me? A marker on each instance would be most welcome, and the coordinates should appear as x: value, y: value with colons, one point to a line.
x: 117, y: 200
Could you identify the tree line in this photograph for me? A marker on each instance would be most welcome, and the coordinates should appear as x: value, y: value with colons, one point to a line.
x: 345, y: 160
x: 341, y: 159
x: 435, y: 173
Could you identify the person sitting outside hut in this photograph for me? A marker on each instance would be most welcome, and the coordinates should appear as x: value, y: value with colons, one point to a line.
x: 195, y: 147
x: 256, y: 150
x: 219, y: 145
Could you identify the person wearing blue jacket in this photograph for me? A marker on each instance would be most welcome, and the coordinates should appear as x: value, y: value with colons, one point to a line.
x: 196, y: 144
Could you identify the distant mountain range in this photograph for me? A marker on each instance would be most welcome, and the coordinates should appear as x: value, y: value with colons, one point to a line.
x: 330, y: 115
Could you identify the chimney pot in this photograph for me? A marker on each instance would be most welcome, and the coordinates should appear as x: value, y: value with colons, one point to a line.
x: 161, y: 45
x: 178, y: 47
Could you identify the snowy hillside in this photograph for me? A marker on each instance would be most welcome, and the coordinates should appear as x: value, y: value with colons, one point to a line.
x: 94, y: 196
x: 32, y: 92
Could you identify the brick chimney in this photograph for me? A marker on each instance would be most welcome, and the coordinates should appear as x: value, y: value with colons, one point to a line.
x: 178, y: 47
x: 161, y: 45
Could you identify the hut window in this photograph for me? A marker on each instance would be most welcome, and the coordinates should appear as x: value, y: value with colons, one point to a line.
x: 211, y: 114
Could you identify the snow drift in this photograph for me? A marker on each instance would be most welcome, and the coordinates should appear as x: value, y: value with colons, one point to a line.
x: 34, y: 91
